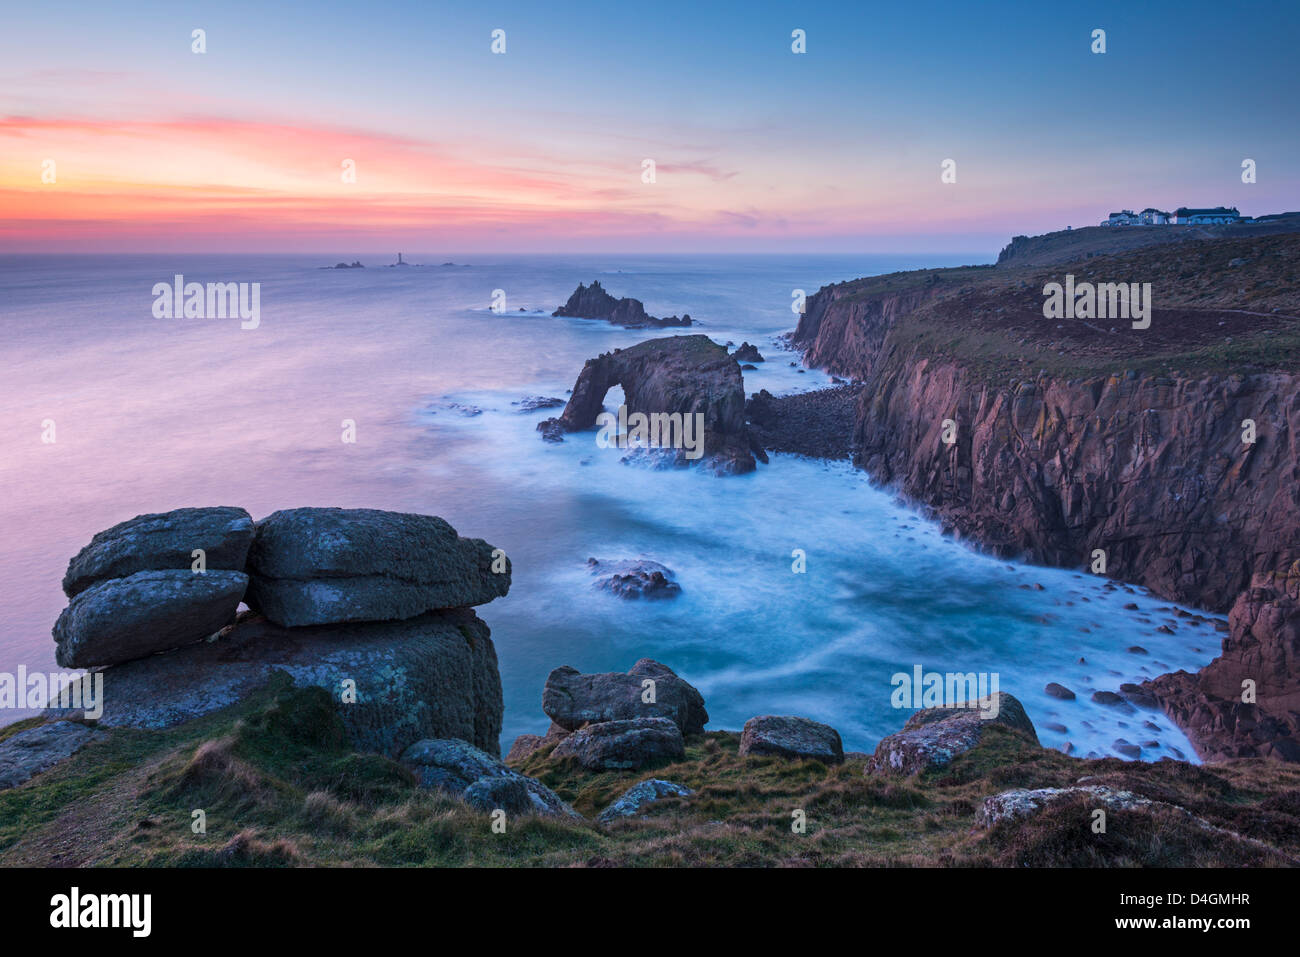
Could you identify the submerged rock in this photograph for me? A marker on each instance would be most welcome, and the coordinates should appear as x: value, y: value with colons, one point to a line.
x: 787, y: 736
x: 119, y: 619
x: 933, y: 737
x: 312, y: 566
x: 638, y: 578
x: 434, y: 676
x: 534, y: 402
x: 27, y: 753
x: 163, y: 541
x: 634, y: 801
x: 623, y: 745
x: 572, y: 699
x: 479, y: 779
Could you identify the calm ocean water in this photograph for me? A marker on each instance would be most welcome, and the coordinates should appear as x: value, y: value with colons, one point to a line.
x: 153, y: 414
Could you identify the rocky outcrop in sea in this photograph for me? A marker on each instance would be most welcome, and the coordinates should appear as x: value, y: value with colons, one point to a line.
x: 673, y: 376
x: 593, y: 302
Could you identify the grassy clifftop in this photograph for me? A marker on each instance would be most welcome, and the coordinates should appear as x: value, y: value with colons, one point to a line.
x: 1218, y: 306
x: 278, y: 787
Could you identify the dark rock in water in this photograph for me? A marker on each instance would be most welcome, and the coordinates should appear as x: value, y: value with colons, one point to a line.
x: 572, y: 699
x: 1263, y: 646
x: 552, y: 430
x: 787, y: 736
x: 1136, y: 695
x: 635, y: 579
x: 623, y: 745
x: 160, y: 542
x: 481, y: 780
x: 634, y: 801
x: 593, y: 302
x: 432, y: 676
x: 1110, y: 700
x: 1126, y: 748
x: 534, y: 402
x: 747, y: 353
x: 526, y: 744
x: 817, y: 424
x: 27, y: 753
x: 311, y: 566
x: 1059, y: 691
x: 669, y: 380
x: 934, y: 736
x: 1137, y: 650
x: 747, y: 367
x: 120, y: 619
x: 1054, y: 726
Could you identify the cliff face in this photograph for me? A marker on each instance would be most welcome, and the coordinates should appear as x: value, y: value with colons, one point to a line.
x: 1052, y: 439
x: 1150, y: 469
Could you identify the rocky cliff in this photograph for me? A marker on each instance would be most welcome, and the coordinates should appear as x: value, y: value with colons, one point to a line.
x: 1170, y: 449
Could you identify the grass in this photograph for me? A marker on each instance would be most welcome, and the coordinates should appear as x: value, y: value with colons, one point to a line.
x: 278, y: 786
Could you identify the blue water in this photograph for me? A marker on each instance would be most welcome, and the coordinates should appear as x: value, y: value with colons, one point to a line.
x: 154, y: 414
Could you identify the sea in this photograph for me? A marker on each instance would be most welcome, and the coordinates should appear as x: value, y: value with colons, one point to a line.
x: 109, y: 411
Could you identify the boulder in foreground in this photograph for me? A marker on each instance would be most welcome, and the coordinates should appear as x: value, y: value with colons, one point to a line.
x: 27, y: 753
x: 933, y: 737
x: 314, y: 566
x: 623, y: 745
x: 787, y: 736
x: 119, y: 619
x: 479, y: 779
x: 634, y: 801
x: 648, y: 690
x: 434, y: 676
x: 163, y: 541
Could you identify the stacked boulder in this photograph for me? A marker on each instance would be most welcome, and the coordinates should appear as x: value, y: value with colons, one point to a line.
x: 617, y: 720
x: 153, y: 583
x: 373, y: 606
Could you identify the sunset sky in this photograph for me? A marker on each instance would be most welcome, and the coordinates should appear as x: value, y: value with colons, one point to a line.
x: 458, y: 149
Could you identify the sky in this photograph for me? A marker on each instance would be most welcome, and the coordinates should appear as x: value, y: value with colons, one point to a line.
x: 115, y: 136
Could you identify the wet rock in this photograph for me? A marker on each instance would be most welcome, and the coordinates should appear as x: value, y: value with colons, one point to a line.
x: 1059, y: 691
x: 313, y: 566
x: 634, y: 801
x: 1126, y: 748
x: 787, y: 736
x: 534, y: 402
x: 747, y: 353
x: 163, y: 541
x: 933, y: 737
x: 119, y: 619
x: 1134, y: 694
x: 572, y: 699
x: 27, y: 753
x: 640, y: 578
x: 481, y: 780
x: 623, y: 745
